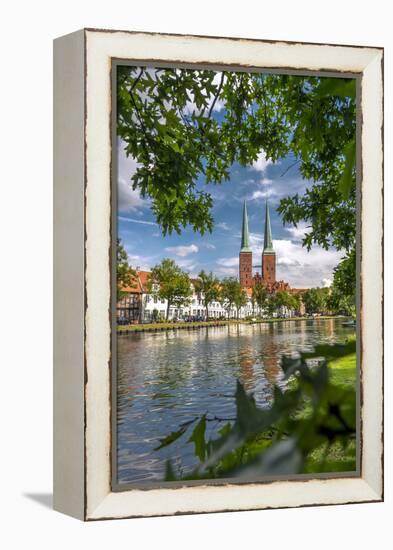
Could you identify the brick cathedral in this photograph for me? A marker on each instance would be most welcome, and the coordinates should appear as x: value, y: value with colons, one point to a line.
x: 268, y: 261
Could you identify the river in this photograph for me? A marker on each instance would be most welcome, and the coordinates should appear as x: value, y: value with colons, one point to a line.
x: 167, y: 378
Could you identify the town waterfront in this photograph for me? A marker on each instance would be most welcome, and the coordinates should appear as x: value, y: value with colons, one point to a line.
x: 170, y: 377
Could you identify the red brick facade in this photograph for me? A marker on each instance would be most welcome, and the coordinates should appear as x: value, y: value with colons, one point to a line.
x: 245, y: 269
x: 269, y: 268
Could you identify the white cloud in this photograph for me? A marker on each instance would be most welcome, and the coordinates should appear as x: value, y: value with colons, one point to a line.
x: 259, y: 195
x: 128, y: 199
x: 302, y: 268
x: 133, y: 220
x: 228, y: 262
x: 143, y: 263
x: 223, y: 225
x: 266, y: 181
x: 295, y: 265
x: 183, y: 251
x: 248, y: 181
x: 209, y: 246
x: 189, y: 265
x: 227, y: 271
x: 297, y: 233
x: 256, y: 241
x: 262, y: 162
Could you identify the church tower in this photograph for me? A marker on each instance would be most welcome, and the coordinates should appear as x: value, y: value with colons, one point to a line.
x: 245, y: 255
x: 268, y: 254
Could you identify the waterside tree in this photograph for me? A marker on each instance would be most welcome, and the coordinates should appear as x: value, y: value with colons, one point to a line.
x: 125, y: 275
x: 170, y: 283
x: 207, y: 286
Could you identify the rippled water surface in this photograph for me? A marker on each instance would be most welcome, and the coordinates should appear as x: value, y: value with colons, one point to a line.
x: 167, y: 378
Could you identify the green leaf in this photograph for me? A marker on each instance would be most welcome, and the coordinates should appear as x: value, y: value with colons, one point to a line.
x: 198, y: 438
x: 225, y: 430
x: 173, y: 436
x: 331, y: 351
x: 282, y: 458
x: 346, y: 181
x: 250, y: 419
x: 341, y: 87
x: 169, y: 473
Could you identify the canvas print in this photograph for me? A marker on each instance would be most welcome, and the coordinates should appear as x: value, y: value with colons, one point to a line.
x: 235, y: 311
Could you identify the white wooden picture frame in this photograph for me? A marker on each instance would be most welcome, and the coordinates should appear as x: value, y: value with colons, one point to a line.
x: 82, y: 239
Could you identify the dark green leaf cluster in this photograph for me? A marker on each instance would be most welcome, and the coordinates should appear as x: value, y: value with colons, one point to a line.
x: 125, y: 274
x: 343, y: 291
x: 165, y: 118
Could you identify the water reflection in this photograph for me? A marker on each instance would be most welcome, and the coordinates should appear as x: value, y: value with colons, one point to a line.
x: 167, y: 378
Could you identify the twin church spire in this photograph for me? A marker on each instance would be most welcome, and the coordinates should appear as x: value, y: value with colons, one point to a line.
x: 267, y: 241
x: 268, y: 267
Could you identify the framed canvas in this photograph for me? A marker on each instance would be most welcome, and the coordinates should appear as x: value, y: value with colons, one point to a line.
x: 218, y: 251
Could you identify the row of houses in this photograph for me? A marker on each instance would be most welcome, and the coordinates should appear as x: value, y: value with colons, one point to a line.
x: 139, y: 305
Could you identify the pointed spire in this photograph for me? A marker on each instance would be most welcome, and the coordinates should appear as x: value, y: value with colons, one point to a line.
x: 268, y: 241
x: 245, y: 241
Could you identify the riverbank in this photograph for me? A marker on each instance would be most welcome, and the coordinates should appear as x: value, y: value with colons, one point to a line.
x: 339, y: 458
x: 336, y: 458
x: 157, y: 327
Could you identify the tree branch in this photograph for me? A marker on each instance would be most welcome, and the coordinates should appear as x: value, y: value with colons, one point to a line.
x: 289, y: 167
x: 216, y: 96
x: 136, y: 80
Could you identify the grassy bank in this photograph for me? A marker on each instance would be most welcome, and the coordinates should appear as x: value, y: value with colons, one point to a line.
x: 337, y: 458
x: 343, y: 371
x: 323, y: 459
x: 151, y: 327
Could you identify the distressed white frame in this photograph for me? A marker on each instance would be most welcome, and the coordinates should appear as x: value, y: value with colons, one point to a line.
x: 94, y: 498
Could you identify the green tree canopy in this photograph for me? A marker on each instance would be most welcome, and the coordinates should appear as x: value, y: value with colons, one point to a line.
x: 271, y: 305
x: 208, y: 286
x: 229, y: 293
x: 240, y: 298
x: 285, y: 299
x: 170, y: 283
x: 259, y: 294
x: 316, y: 300
x: 343, y: 290
x: 125, y: 274
x: 166, y: 121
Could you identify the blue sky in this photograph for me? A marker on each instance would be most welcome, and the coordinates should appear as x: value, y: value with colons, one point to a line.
x: 218, y: 251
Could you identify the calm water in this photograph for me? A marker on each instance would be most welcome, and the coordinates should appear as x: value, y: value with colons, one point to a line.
x: 167, y: 378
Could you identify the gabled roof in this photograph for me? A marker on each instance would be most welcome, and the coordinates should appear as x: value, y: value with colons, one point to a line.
x: 141, y: 283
